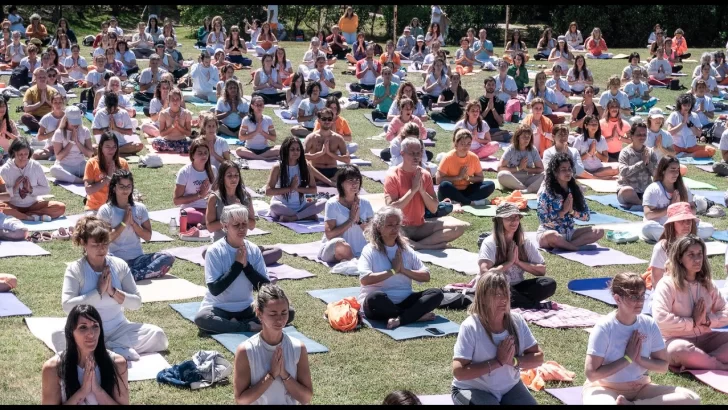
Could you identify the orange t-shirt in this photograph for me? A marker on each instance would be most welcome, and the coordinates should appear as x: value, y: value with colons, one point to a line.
x: 395, y: 59
x: 341, y: 126
x: 93, y: 173
x: 450, y: 166
x: 396, y: 185
x: 680, y: 47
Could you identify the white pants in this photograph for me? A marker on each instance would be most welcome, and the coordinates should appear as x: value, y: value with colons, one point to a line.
x: 68, y: 172
x: 209, y: 96
x: 652, y: 230
x: 261, y: 51
x: 126, y: 339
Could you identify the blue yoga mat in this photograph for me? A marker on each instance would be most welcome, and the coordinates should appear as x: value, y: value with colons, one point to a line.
x: 411, y: 331
x: 89, y: 115
x: 533, y: 203
x: 611, y: 200
x: 10, y: 305
x: 446, y: 126
x: 720, y: 236
x: 696, y: 161
x: 715, y: 196
x: 595, y: 218
x: 596, y: 288
x: 232, y: 340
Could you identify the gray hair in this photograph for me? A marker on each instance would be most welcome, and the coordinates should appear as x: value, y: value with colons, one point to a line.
x: 412, y: 142
x: 706, y: 57
x: 235, y: 212
x: 373, y: 232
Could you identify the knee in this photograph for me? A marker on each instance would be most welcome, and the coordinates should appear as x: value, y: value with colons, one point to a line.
x: 436, y: 296
x: 597, y: 234
x: 57, y: 210
x: 159, y: 338
x: 343, y: 251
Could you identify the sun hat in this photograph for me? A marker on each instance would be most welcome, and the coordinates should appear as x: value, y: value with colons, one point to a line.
x: 562, y: 38
x: 656, y: 112
x: 420, y: 38
x: 507, y: 209
x: 680, y: 211
x: 74, y: 115
x: 218, y: 50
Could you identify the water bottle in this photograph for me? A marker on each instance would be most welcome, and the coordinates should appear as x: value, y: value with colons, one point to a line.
x: 182, y: 221
x: 172, y: 226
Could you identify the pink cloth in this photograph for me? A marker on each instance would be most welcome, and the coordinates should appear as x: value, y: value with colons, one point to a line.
x: 396, y: 125
x: 195, y: 216
x: 487, y: 150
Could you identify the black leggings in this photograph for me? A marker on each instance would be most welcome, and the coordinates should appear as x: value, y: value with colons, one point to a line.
x: 271, y: 98
x: 378, y: 306
x: 336, y: 94
x: 528, y: 293
x: 472, y: 192
x: 214, y: 320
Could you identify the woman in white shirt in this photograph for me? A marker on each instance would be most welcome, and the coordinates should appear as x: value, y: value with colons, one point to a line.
x: 105, y: 282
x: 433, y: 35
x: 622, y: 348
x: 76, y: 65
x: 72, y: 144
x: 204, y: 78
x: 387, y: 266
x: 481, y: 145
x: 130, y: 224
x: 294, y: 96
x: 256, y: 131
x: 435, y: 83
x: 272, y: 367
x: 593, y: 148
x: 126, y: 57
x: 216, y: 38
x: 47, y: 127
x: 658, y: 139
x: 266, y: 82
x: 346, y: 217
x: 158, y: 103
x: 684, y: 126
x: 231, y: 108
x: 492, y: 346
x: 573, y: 37
x: 193, y: 183
x: 308, y: 109
x: 579, y: 76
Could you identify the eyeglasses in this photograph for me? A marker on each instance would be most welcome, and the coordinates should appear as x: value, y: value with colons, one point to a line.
x: 327, y: 119
x: 635, y: 298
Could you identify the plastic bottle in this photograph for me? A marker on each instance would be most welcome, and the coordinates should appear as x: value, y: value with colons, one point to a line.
x: 172, y: 226
x: 182, y: 221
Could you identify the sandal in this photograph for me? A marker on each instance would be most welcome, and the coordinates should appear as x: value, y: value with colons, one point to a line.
x: 61, y: 234
x: 35, y: 237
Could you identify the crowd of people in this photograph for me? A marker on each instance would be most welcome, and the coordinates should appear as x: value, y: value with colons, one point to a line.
x: 545, y: 156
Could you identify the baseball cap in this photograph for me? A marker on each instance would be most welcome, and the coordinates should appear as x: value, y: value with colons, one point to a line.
x: 73, y: 115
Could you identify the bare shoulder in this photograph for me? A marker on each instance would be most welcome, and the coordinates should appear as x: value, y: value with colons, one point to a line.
x: 51, y: 365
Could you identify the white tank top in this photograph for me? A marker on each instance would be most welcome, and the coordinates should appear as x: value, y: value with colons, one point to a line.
x: 293, y: 200
x: 91, y: 398
x: 219, y: 40
x: 264, y: 78
x: 19, y: 50
x: 259, y: 356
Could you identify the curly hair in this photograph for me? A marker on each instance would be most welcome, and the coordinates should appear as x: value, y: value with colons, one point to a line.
x: 373, y: 232
x: 553, y: 186
x: 91, y: 227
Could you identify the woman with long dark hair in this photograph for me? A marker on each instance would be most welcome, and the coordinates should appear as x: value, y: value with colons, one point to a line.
x: 266, y: 82
x: 257, y: 131
x: 579, y: 76
x: 593, y: 149
x: 235, y: 48
x: 85, y: 372
x: 99, y: 169
x: 193, y: 183
x: 514, y: 46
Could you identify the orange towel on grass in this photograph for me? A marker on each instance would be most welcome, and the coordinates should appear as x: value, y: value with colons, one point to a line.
x: 550, y: 371
x: 514, y: 197
x: 343, y: 315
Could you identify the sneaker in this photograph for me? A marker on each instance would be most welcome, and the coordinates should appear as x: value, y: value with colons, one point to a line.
x: 480, y: 202
x: 242, y: 163
x: 46, y: 218
x: 715, y: 211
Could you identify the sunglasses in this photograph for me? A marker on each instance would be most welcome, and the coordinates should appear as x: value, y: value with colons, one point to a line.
x: 326, y: 119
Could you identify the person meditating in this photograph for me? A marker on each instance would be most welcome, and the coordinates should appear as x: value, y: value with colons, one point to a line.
x: 175, y: 126
x: 130, y: 224
x: 507, y: 251
x: 193, y: 183
x: 116, y: 120
x: 684, y: 126
x: 387, y: 266
x: 623, y: 347
x: 559, y: 203
x: 409, y: 187
x: 637, y: 164
x: 256, y: 131
x: 234, y: 267
x: 520, y: 167
x: 106, y: 283
x: 594, y: 150
x: 272, y: 367
x: 290, y: 179
x: 482, y: 145
x: 99, y: 169
x: 85, y: 373
x: 492, y: 346
x: 324, y: 148
x: 687, y: 306
x: 460, y: 174
x: 561, y: 145
x: 346, y: 217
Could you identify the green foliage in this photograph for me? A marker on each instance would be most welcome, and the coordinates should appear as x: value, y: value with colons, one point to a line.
x: 231, y: 15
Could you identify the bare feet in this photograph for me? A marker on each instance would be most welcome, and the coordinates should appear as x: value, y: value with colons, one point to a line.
x: 393, y: 323
x: 622, y: 401
x: 287, y: 218
x: 427, y: 317
x: 457, y: 209
x: 164, y: 270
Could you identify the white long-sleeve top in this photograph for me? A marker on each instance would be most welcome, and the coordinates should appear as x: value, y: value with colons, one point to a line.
x: 80, y: 284
x: 204, y: 79
x: 10, y: 173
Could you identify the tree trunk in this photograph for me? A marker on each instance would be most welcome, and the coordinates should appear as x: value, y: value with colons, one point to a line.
x: 508, y: 15
x: 394, y: 27
x: 374, y: 20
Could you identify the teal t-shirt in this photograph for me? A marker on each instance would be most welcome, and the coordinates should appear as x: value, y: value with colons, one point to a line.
x: 387, y: 102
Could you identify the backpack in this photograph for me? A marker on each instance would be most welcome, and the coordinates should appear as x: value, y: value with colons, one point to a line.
x: 456, y: 300
x: 88, y: 41
x: 19, y: 77
x: 378, y: 49
x: 674, y: 85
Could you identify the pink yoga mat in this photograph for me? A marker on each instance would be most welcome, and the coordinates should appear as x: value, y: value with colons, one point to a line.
x: 169, y: 158
x: 260, y: 164
x: 302, y: 227
x: 706, y: 168
x: 21, y: 248
x: 77, y: 189
x: 283, y: 272
x: 717, y: 379
x: 193, y: 255
x: 568, y: 395
x: 565, y: 317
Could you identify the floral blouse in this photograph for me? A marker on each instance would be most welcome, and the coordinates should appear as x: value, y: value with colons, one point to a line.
x: 549, y: 206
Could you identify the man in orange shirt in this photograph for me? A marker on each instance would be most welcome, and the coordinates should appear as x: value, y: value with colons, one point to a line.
x: 409, y: 188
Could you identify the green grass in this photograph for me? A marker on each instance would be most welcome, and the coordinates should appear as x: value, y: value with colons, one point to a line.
x: 361, y: 367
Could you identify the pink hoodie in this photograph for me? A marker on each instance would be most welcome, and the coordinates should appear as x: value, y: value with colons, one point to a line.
x: 673, y: 310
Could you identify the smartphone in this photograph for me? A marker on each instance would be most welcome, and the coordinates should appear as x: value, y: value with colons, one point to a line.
x: 435, y: 331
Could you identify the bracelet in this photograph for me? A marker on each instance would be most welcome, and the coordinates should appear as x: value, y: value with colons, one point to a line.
x: 392, y: 272
x: 627, y: 359
x: 287, y: 378
x: 122, y: 224
x: 113, y: 294
x: 515, y: 361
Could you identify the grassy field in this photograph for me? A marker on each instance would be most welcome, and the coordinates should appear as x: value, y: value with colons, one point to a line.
x: 361, y: 367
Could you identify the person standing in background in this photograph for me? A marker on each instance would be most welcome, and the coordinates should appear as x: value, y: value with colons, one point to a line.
x: 272, y: 11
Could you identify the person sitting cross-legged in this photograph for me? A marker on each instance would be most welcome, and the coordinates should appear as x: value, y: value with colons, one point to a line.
x: 637, y: 164
x: 460, y: 174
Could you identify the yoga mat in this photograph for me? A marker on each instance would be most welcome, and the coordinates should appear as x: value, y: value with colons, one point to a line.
x: 600, y: 185
x: 380, y: 124
x: 436, y: 400
x: 188, y: 310
x: 231, y: 341
x: 10, y: 305
x: 158, y: 237
x: 164, y: 215
x: 376, y: 200
x: 65, y: 221
x: 456, y: 259
x: 564, y: 318
x: 489, y: 165
x: 693, y: 184
x: 193, y: 255
x: 717, y: 379
x: 377, y: 152
x: 533, y: 204
x: 378, y: 175
x: 308, y: 250
x: 720, y: 236
x: 285, y: 121
x: 332, y: 190
x: 334, y: 294
x: 20, y: 248
x: 446, y: 126
x: 596, y: 218
x: 696, y: 161
x: 487, y: 210
x: 170, y: 158
x: 43, y: 327
x: 598, y: 256
x: 568, y: 395
x: 715, y: 248
x: 252, y: 193
x: 261, y: 164
x: 307, y: 226
x: 283, y: 272
x: 77, y: 189
x: 203, y: 104
x: 147, y: 367
x: 596, y: 288
x: 133, y: 138
x: 356, y: 161
x: 168, y: 288
x: 611, y: 200
x: 706, y: 168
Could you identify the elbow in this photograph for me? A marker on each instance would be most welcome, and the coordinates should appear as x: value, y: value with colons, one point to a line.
x: 590, y: 374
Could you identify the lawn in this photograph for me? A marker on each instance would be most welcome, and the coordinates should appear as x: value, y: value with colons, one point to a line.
x: 362, y: 366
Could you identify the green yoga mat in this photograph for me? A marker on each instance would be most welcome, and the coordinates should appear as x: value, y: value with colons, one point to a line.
x: 693, y: 184
x: 488, y: 210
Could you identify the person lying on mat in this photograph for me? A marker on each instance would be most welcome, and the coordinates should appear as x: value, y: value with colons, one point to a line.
x: 324, y: 148
x: 623, y: 347
x: 409, y: 187
x: 460, y: 175
x: 129, y: 225
x: 684, y: 126
x: 234, y: 267
x: 492, y: 347
x: 507, y: 251
x: 72, y: 144
x: 492, y: 110
x: 520, y: 167
x: 559, y: 203
x: 637, y: 165
x: 667, y: 189
x: 561, y: 145
x: 116, y: 120
x: 106, y: 283
x: 272, y: 367
x: 193, y: 183
x: 25, y: 183
x: 256, y: 131
x: 687, y: 306
x: 308, y: 109
x: 681, y: 220
x: 482, y: 145
x: 593, y: 150
x: 218, y: 146
x: 341, y: 125
x: 387, y: 267
x: 229, y: 189
x: 290, y: 179
x: 346, y: 217
x: 100, y: 376
x: 99, y: 169
x: 8, y: 282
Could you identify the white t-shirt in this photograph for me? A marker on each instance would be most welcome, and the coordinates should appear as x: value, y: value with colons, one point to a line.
x: 710, y: 82
x: 440, y: 85
x: 685, y: 137
x: 192, y: 179
x: 50, y: 122
x: 659, y: 257
x: 155, y: 107
x: 397, y: 287
x: 75, y: 74
x: 724, y: 141
x: 128, y: 245
x: 428, y: 37
x: 354, y: 236
x: 707, y: 107
x: 549, y: 153
x: 125, y: 101
x: 307, y: 106
x: 698, y: 68
x: 484, y: 128
x: 659, y: 68
x: 655, y: 196
x: 146, y: 77
x: 582, y: 144
x: 220, y: 146
x: 98, y: 51
x: 233, y: 120
x: 25, y: 62
x: 121, y: 119
x: 548, y: 96
x: 621, y: 97
x: 639, y: 89
x: 474, y: 344
x: 258, y: 141
x: 609, y: 340
x: 652, y: 140
x: 510, y: 86
x: 63, y: 53
x: 146, y: 41
x: 489, y: 250
x: 436, y: 14
x: 627, y: 72
x: 94, y: 77
x: 75, y: 156
x: 579, y: 83
x: 560, y: 97
x: 418, y: 112
x: 128, y: 56
x: 314, y: 75
x: 308, y: 56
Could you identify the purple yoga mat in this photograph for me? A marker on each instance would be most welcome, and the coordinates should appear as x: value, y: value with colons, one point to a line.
x: 563, y: 318
x: 21, y: 248
x: 79, y: 190
x: 260, y: 164
x: 436, y: 400
x: 599, y: 256
x: 568, y: 395
x: 376, y: 175
x: 706, y: 168
x: 10, y: 305
x: 283, y: 272
x: 303, y: 227
x: 193, y: 255
x: 308, y: 250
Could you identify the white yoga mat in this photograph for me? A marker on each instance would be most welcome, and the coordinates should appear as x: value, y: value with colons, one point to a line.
x: 158, y: 237
x: 456, y: 259
x: 600, y: 185
x: 20, y: 248
x: 168, y: 287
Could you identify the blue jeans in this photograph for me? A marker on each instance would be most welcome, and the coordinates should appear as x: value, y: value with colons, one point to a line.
x: 518, y: 395
x: 149, y: 265
x: 244, y: 61
x: 349, y: 37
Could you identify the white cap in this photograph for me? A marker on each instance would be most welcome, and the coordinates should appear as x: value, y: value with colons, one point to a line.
x: 656, y: 112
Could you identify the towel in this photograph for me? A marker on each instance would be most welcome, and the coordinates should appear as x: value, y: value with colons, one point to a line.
x: 549, y: 371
